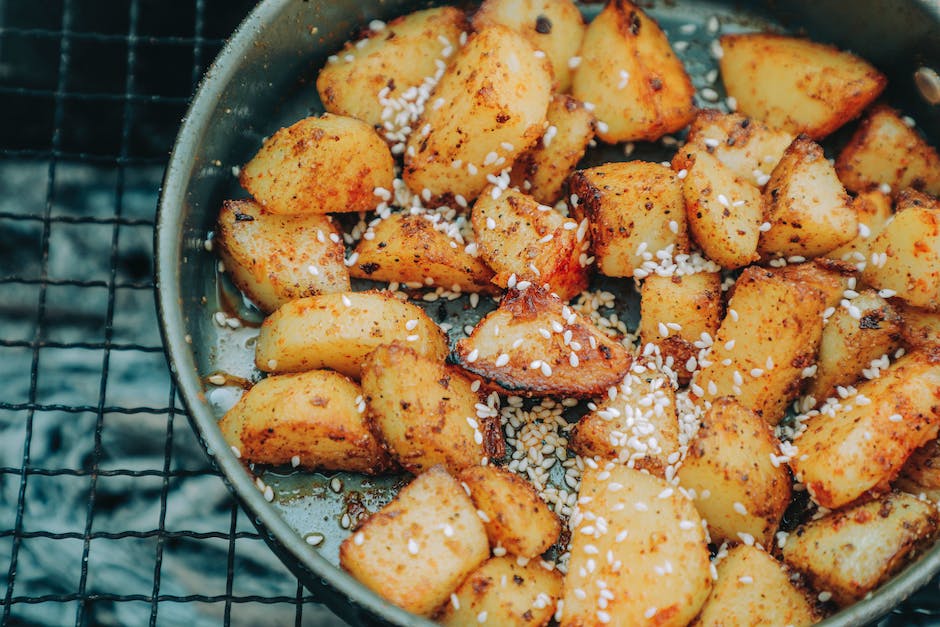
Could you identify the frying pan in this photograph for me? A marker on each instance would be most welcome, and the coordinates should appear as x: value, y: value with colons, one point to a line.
x: 264, y: 79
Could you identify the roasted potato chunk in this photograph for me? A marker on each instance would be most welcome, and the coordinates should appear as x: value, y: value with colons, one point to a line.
x: 543, y: 169
x: 885, y: 150
x: 274, y: 258
x: 850, y: 552
x: 523, y: 240
x: 554, y: 26
x: 635, y: 210
x: 724, y: 211
x: 505, y: 593
x: 361, y: 78
x: 830, y: 277
x: 426, y: 417
x: 638, y: 428
x: 488, y: 108
x: 921, y: 328
x: 418, y: 548
x: 861, y: 443
x: 338, y: 330
x: 516, y: 517
x: 409, y: 249
x: 807, y: 207
x: 312, y: 418
x: 651, y: 553
x: 752, y: 590
x: 534, y: 345
x: 328, y: 164
x: 921, y: 472
x: 769, y: 336
x: 866, y: 328
x: 872, y: 208
x: 747, y: 147
x: 738, y: 486
x: 674, y: 313
x: 795, y: 84
x: 628, y: 70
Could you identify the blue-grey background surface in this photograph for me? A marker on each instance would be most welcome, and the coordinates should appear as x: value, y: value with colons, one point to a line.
x: 109, y: 511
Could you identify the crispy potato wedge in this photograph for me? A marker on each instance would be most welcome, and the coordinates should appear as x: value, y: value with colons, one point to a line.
x: 428, y: 416
x: 852, y: 551
x: 884, y: 149
x: 651, y: 553
x: 519, y: 237
x: 555, y: 27
x: 275, y: 258
x: 638, y: 428
x: 516, y: 517
x: 409, y: 249
x: 543, y: 169
x: 386, y: 63
x: 807, y: 207
x: 860, y: 445
x: 693, y: 302
x: 338, y: 330
x: 312, y: 418
x: 327, y: 164
x: 523, y: 347
x: 769, y: 336
x: 828, y: 276
x: 752, y: 590
x: 629, y: 204
x: 921, y: 472
x: 747, y: 147
x: 905, y: 256
x: 492, y: 105
x: 638, y: 85
x: 724, y: 212
x: 921, y: 328
x: 418, y: 548
x: 873, y: 208
x: 850, y: 343
x: 738, y: 486
x: 505, y: 593
x: 795, y: 84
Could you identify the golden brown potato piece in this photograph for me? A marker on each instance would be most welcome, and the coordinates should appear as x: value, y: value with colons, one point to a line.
x: 769, y: 336
x: 543, y: 169
x: 338, y: 330
x: 794, y: 84
x: 651, y: 553
x: 866, y: 329
x: 724, y: 211
x: 418, y: 548
x: 807, y: 207
x: 921, y: 472
x: 749, y: 148
x: 861, y: 445
x: 516, y: 517
x: 635, y: 210
x: 275, y: 258
x: 674, y: 313
x: 637, y: 84
x: 738, y: 488
x: 828, y: 276
x: 520, y: 238
x: 884, y: 149
x: 504, y: 593
x: 389, y: 61
x: 905, y: 256
x: 639, y: 428
x: 554, y: 26
x: 408, y: 249
x: 424, y: 411
x: 753, y: 590
x: 488, y: 108
x: 921, y: 328
x: 328, y: 164
x: 312, y: 418
x: 534, y: 345
x: 851, y: 552
x: 873, y: 208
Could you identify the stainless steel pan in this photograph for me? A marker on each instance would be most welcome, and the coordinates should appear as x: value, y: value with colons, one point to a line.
x: 262, y: 80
